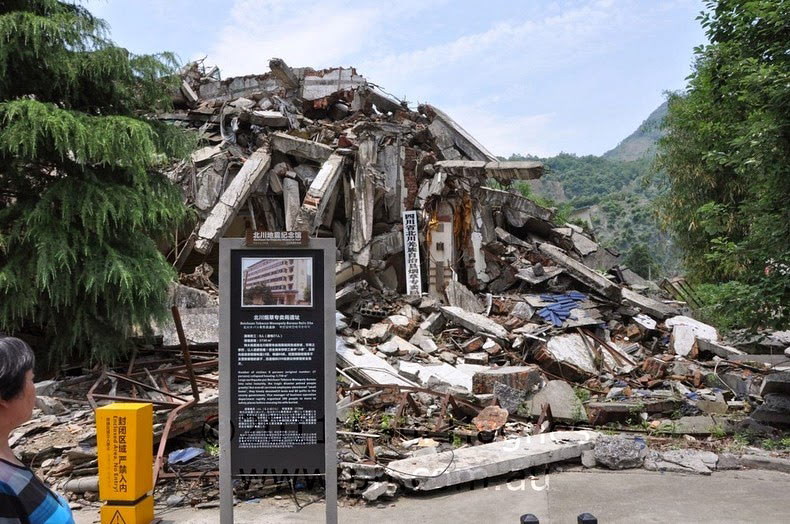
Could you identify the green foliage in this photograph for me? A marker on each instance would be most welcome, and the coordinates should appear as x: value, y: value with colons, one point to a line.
x: 82, y: 204
x: 717, y: 431
x: 749, y: 438
x: 582, y: 394
x: 386, y: 421
x: 776, y: 444
x: 262, y: 290
x: 563, y: 211
x: 619, y: 195
x: 726, y: 153
x: 354, y: 419
x: 640, y: 260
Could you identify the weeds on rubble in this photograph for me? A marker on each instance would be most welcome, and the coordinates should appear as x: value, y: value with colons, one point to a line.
x: 634, y: 413
x: 578, y: 412
x: 386, y: 421
x: 717, y: 431
x: 742, y: 440
x: 582, y: 394
x: 712, y: 380
x: 776, y: 444
x: 212, y: 449
x: 667, y: 428
x: 457, y: 441
x: 354, y: 419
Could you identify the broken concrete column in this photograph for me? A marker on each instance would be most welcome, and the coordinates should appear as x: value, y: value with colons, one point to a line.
x: 284, y: 73
x: 725, y: 352
x: 362, y: 211
x: 428, y: 472
x: 654, y: 308
x: 390, y: 162
x: 317, y: 85
x: 776, y: 383
x: 561, y: 398
x: 503, y: 172
x: 265, y: 118
x: 582, y: 273
x: 620, y: 452
x: 232, y: 199
x: 775, y: 410
x: 686, y: 331
x: 290, y: 200
x: 459, y: 295
x: 300, y: 148
x: 319, y: 194
x: 379, y: 489
x: 452, y: 139
x: 682, y: 461
x: 570, y: 357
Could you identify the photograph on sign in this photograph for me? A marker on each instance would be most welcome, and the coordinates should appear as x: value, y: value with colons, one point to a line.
x: 277, y: 282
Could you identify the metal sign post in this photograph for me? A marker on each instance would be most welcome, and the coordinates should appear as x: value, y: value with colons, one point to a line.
x: 277, y: 362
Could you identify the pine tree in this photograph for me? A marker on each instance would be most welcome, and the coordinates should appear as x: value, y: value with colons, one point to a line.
x: 82, y: 200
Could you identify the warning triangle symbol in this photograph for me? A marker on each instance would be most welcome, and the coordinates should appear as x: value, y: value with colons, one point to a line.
x: 117, y: 518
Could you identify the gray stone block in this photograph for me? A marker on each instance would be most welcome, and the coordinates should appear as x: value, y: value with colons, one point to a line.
x: 620, y: 452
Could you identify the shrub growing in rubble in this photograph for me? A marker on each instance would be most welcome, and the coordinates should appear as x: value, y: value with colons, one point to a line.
x: 81, y: 203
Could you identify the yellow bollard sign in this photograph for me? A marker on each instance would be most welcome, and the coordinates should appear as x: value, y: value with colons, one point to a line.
x: 140, y: 513
x: 125, y: 442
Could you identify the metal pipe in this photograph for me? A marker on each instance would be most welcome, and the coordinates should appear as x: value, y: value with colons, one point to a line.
x: 185, y: 351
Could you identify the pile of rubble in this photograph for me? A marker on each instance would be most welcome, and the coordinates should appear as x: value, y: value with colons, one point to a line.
x: 518, y: 324
x: 522, y: 337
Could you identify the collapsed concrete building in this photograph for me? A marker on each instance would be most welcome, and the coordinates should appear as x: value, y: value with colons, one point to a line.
x: 468, y: 319
x: 329, y: 153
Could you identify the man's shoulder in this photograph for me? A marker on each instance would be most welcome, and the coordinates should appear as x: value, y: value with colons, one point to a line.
x: 13, y: 479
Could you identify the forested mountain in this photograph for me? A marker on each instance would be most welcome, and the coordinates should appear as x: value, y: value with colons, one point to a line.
x: 614, y: 193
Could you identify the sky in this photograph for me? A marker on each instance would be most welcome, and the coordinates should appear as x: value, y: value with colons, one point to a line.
x: 523, y: 76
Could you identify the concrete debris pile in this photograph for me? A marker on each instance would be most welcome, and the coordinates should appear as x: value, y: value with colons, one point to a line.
x: 476, y: 324
x: 476, y: 336
x: 329, y: 153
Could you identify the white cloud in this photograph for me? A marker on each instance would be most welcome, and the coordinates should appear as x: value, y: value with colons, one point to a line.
x: 494, y: 79
x: 503, y: 136
x: 311, y: 33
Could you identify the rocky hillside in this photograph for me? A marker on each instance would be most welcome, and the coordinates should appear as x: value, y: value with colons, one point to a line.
x: 642, y: 142
x: 613, y: 194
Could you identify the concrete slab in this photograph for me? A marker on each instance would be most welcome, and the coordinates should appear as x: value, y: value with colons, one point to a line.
x: 474, y: 322
x: 449, y: 468
x: 686, y: 331
x: 559, y: 395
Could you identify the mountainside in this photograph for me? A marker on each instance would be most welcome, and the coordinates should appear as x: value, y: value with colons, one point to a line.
x: 642, y: 142
x: 613, y: 195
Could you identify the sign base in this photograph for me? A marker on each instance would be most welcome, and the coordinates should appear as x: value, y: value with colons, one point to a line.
x: 140, y: 513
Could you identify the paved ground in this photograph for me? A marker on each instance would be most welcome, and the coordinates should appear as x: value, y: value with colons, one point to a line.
x: 628, y: 497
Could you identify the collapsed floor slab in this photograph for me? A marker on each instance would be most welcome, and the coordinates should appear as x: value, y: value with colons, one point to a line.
x: 439, y: 470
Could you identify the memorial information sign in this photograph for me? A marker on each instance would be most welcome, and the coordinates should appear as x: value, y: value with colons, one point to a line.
x: 277, y: 362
